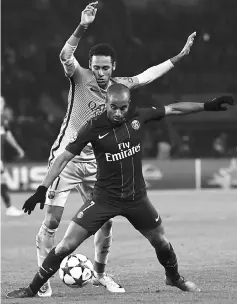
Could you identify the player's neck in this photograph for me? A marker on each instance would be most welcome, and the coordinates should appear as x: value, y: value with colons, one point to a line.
x: 104, y: 88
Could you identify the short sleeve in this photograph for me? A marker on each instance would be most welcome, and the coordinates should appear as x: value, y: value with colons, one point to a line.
x: 84, y: 136
x: 153, y: 113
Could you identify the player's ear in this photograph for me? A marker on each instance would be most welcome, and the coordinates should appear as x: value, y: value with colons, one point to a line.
x: 114, y: 66
x: 90, y: 64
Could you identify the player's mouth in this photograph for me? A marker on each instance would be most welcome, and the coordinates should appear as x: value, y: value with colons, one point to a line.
x: 101, y: 81
x: 118, y: 119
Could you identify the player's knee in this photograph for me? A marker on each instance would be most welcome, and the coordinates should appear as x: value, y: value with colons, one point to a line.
x: 156, y: 237
x: 52, y: 223
x: 53, y: 217
x: 66, y: 246
x: 107, y: 226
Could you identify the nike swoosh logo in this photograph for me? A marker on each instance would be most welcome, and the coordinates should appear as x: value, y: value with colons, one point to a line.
x: 102, y: 136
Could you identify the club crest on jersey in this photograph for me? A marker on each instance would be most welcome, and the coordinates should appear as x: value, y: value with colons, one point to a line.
x: 80, y: 214
x: 51, y: 194
x: 135, y: 124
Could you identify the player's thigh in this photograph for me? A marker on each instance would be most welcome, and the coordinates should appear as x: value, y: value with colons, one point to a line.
x: 74, y: 236
x: 93, y: 215
x: 142, y: 214
x: 69, y: 179
x: 86, y: 186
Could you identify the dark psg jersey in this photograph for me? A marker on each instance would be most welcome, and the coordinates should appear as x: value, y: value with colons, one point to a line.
x: 117, y: 148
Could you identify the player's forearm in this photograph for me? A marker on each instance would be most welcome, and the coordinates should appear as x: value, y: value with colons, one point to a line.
x: 77, y: 35
x: 70, y: 46
x: 182, y: 108
x: 57, y: 167
x: 155, y: 72
x: 12, y: 141
x: 177, y: 58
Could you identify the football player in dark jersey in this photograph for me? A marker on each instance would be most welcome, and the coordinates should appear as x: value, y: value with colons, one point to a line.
x: 115, y: 136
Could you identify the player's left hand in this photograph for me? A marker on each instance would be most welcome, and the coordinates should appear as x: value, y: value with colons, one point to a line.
x: 217, y: 104
x: 21, y: 153
x: 188, y: 45
x: 38, y: 197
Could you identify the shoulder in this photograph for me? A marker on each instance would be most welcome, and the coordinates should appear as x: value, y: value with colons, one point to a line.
x: 96, y: 122
x: 150, y: 113
x: 83, y: 75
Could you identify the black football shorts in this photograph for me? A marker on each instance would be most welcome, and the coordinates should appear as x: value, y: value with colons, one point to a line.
x: 95, y: 213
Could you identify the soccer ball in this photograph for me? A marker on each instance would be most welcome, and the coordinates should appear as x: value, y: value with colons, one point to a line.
x: 76, y: 270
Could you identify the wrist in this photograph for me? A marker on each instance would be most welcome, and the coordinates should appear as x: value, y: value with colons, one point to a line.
x: 85, y: 25
x: 42, y: 189
x: 177, y: 58
x: 207, y: 106
x: 79, y: 31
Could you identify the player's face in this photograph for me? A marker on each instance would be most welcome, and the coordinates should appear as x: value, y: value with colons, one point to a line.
x: 102, y: 67
x: 117, y: 108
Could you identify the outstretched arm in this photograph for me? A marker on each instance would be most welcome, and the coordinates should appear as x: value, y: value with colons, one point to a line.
x: 182, y: 108
x: 72, y: 149
x: 66, y: 56
x: 40, y: 195
x: 57, y: 167
x: 159, y: 70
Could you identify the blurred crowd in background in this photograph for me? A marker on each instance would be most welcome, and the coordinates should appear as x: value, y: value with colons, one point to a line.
x: 35, y: 88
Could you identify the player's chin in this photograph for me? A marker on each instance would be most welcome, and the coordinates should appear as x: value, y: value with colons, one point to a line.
x: 102, y: 83
x: 118, y: 120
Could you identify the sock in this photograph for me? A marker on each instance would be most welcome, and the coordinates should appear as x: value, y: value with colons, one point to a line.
x: 102, y: 242
x: 99, y: 269
x: 5, y: 195
x: 49, y: 267
x: 44, y: 242
x: 167, y: 258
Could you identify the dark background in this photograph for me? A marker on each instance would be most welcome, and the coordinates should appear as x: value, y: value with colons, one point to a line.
x: 144, y: 33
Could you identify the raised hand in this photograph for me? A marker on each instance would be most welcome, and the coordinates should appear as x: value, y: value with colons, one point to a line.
x: 217, y: 104
x: 188, y: 44
x: 88, y: 14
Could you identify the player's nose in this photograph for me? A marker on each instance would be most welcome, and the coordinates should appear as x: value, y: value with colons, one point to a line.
x: 100, y: 72
x: 118, y: 113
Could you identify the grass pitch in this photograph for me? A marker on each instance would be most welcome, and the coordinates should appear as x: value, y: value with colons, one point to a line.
x: 202, y: 226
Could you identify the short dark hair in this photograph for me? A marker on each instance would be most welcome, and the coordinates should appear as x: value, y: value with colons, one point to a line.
x: 118, y: 89
x: 102, y: 49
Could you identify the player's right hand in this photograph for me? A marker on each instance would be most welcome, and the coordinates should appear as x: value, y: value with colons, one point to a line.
x: 186, y: 49
x: 88, y: 14
x: 38, y: 197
